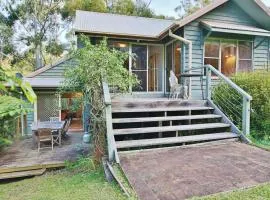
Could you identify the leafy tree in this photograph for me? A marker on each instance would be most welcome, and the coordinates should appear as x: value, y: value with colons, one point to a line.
x: 95, y: 64
x: 35, y: 23
x: 11, y: 106
x: 125, y: 7
x: 71, y: 6
x: 187, y: 7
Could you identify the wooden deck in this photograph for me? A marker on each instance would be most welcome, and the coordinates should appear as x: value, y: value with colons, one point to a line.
x: 23, y: 157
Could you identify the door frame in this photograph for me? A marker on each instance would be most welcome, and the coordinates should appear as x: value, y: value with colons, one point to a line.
x: 147, y: 68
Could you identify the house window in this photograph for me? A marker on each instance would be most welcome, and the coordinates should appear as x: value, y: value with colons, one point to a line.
x: 229, y: 57
x: 211, y: 56
x: 245, y: 56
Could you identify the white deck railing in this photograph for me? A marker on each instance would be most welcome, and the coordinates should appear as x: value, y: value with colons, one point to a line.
x: 112, y: 150
x: 232, y: 100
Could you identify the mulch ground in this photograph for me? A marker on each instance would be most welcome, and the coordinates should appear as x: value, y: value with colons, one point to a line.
x: 181, y: 173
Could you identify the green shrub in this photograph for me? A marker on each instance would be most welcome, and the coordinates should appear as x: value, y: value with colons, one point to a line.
x: 257, y: 84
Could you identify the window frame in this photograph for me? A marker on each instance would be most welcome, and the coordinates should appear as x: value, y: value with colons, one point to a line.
x: 236, y: 41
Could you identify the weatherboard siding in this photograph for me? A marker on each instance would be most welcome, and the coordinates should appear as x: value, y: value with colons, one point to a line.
x: 261, y: 53
x: 56, y: 71
x: 227, y: 13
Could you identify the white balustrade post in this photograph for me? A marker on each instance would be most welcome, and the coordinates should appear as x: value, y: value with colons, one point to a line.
x: 246, y: 116
x: 208, y: 82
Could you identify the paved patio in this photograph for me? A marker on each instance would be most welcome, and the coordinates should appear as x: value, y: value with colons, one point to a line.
x: 181, y: 173
x: 22, y: 155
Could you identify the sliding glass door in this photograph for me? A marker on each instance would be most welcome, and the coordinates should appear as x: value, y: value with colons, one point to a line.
x: 146, y: 62
x: 139, y: 66
x: 155, y: 68
x: 148, y: 65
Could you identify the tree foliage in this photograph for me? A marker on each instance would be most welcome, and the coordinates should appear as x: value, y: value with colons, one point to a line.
x: 71, y: 6
x: 11, y: 106
x: 125, y: 7
x: 188, y: 7
x: 95, y: 64
x: 35, y: 25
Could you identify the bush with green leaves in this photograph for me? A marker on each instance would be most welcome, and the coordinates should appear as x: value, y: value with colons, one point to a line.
x: 257, y: 84
x: 11, y: 106
x: 96, y: 64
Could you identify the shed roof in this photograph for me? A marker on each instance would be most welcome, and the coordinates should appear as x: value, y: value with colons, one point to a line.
x: 114, y: 24
x: 234, y: 28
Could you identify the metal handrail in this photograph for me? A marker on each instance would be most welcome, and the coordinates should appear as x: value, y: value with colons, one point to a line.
x: 246, y: 98
x: 229, y: 81
x: 112, y: 150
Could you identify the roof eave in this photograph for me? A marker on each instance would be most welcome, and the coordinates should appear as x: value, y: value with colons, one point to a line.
x: 201, y: 12
x: 122, y: 35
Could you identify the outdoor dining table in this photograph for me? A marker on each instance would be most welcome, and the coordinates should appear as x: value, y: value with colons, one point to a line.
x: 55, y: 126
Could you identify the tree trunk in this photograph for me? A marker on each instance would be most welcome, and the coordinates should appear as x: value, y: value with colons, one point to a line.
x: 38, y: 57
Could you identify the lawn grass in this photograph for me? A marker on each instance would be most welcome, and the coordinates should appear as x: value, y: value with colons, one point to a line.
x: 261, y: 192
x: 62, y: 185
x: 261, y: 143
x: 84, y: 181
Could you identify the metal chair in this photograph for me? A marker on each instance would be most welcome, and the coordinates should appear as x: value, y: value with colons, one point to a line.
x: 44, y: 135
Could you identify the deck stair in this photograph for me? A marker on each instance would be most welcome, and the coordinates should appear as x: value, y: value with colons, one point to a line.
x: 149, y: 123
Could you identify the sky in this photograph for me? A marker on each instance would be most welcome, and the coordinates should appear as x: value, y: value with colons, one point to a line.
x: 166, y: 7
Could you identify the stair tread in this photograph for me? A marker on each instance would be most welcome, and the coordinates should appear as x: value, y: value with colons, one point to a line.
x: 22, y: 174
x: 159, y: 109
x: 174, y: 140
x: 167, y: 118
x: 169, y: 128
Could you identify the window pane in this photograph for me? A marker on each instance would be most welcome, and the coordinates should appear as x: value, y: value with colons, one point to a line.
x: 139, y: 60
x: 141, y: 75
x: 121, y: 46
x: 211, y: 61
x: 177, y: 58
x: 228, y: 58
x: 212, y: 49
x: 155, y: 68
x: 245, y: 50
x: 245, y: 66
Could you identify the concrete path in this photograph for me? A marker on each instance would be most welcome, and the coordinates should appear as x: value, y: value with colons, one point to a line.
x: 181, y: 173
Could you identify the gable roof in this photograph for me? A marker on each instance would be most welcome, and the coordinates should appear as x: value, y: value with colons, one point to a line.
x: 150, y: 28
x: 114, y: 24
x: 44, y: 69
x: 201, y: 12
x: 262, y: 18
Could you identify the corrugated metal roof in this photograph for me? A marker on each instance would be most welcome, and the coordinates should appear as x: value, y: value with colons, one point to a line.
x: 234, y: 28
x: 113, y: 24
x: 45, y: 82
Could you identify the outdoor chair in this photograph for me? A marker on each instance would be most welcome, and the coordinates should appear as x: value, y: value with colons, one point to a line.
x: 54, y: 119
x: 43, y: 136
x: 177, y: 90
x: 66, y: 127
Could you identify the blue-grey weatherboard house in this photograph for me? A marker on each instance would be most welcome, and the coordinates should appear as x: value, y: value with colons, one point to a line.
x: 231, y: 35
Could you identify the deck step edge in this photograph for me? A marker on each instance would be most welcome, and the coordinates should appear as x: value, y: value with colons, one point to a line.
x: 174, y: 140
